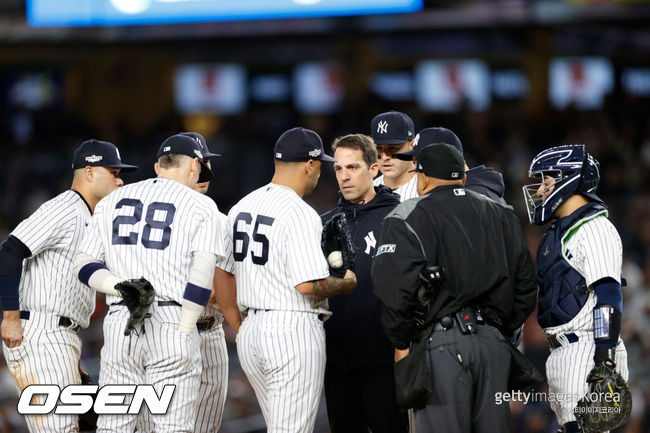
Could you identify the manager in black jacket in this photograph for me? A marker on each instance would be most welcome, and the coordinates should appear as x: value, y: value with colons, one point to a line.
x: 489, y: 291
x: 359, y: 381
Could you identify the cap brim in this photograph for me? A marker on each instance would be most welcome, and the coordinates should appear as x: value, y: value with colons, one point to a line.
x: 327, y: 158
x: 210, y: 155
x: 123, y: 167
x: 206, y: 174
x: 390, y: 141
x: 408, y: 155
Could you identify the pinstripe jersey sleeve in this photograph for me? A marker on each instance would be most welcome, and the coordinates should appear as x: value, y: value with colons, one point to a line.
x: 51, y: 226
x: 92, y: 240
x: 207, y: 234
x: 306, y: 261
x: 599, y: 250
x: 225, y: 259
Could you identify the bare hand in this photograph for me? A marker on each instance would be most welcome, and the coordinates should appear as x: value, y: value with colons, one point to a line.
x: 401, y: 354
x: 11, y: 330
x: 350, y: 275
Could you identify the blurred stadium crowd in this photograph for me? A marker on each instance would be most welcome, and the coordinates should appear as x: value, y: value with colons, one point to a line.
x: 36, y: 166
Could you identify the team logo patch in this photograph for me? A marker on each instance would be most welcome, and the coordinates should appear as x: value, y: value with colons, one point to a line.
x: 382, y: 127
x: 314, y: 153
x: 386, y: 248
x: 455, y: 175
x: 198, y: 153
x: 278, y: 155
x: 94, y: 158
x: 118, y: 154
x: 459, y: 192
x: 167, y: 149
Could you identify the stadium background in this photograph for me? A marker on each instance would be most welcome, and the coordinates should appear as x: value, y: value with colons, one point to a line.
x: 485, y: 69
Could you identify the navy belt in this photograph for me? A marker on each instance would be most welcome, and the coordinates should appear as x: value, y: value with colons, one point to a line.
x: 160, y: 303
x: 63, y: 321
x: 322, y: 317
x: 554, y: 343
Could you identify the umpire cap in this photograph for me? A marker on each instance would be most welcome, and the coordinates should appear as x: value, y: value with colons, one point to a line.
x: 442, y: 161
x: 300, y: 144
x: 429, y: 136
x: 204, y: 144
x: 96, y: 153
x: 181, y: 144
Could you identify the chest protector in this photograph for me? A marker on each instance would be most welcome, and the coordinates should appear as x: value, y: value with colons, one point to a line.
x: 563, y: 290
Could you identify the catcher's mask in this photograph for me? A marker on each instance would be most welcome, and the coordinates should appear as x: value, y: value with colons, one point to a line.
x: 573, y: 171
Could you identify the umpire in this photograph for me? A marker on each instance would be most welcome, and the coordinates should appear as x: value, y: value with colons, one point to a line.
x: 488, y: 291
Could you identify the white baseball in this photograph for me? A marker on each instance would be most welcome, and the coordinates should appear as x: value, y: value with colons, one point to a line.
x: 335, y: 259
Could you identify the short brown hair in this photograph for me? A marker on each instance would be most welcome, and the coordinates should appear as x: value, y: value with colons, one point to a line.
x: 169, y: 160
x: 360, y: 142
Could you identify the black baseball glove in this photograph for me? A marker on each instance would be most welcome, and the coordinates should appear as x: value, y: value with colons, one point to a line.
x: 608, y: 402
x: 138, y: 296
x: 336, y: 237
x: 88, y: 420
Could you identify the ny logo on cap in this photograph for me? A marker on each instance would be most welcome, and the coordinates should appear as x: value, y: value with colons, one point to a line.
x: 94, y: 158
x: 382, y: 127
x: 314, y: 153
x: 118, y: 154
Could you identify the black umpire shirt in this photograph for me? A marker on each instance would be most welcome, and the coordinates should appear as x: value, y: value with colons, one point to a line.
x: 481, y: 246
x: 353, y: 335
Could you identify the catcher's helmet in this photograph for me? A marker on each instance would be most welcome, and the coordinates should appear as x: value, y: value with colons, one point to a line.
x: 573, y: 171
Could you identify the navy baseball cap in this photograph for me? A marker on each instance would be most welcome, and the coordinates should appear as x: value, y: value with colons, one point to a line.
x: 181, y: 144
x: 204, y: 144
x: 392, y: 127
x: 442, y: 161
x: 300, y: 144
x: 98, y: 153
x: 429, y: 136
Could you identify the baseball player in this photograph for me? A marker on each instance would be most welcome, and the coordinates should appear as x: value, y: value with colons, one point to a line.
x: 214, y: 352
x: 393, y: 132
x: 163, y: 230
x: 44, y: 304
x: 579, y: 275
x: 282, y: 278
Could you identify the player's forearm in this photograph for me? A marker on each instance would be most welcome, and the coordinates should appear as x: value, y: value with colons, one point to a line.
x: 95, y: 274
x: 225, y: 296
x: 332, y: 286
x: 197, y: 292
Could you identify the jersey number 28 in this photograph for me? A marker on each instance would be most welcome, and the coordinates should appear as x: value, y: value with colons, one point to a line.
x: 242, y: 235
x: 132, y: 238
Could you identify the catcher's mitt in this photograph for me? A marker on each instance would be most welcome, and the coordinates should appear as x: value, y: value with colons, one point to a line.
x: 608, y: 402
x: 88, y: 420
x: 138, y: 296
x: 336, y: 238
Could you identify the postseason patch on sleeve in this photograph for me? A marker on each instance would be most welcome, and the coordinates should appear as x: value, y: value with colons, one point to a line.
x: 385, y: 248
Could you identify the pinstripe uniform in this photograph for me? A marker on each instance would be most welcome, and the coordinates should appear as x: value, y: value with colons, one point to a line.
x: 593, y: 247
x: 151, y: 229
x: 213, y: 386
x: 406, y: 191
x: 49, y: 290
x: 281, y: 343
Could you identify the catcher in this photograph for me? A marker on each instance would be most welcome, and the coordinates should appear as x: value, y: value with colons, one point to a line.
x: 359, y: 380
x: 580, y: 300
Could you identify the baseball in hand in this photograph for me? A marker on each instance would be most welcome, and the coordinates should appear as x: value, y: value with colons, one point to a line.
x: 335, y: 259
